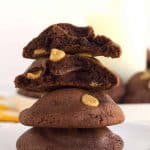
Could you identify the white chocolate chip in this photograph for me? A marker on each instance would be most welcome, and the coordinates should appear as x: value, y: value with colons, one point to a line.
x: 34, y: 75
x: 90, y: 100
x: 56, y: 55
x: 39, y: 51
x: 95, y: 84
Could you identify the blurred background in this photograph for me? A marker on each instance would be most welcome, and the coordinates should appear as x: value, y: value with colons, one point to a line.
x: 126, y: 22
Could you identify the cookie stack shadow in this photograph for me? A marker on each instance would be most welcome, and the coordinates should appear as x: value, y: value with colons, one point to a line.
x: 73, y: 111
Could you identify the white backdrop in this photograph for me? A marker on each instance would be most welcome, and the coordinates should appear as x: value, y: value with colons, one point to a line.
x: 22, y: 20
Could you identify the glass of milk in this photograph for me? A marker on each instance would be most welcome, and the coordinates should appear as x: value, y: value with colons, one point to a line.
x: 124, y: 22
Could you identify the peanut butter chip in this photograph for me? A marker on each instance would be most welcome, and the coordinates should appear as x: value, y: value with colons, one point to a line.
x: 145, y: 75
x: 56, y: 55
x: 39, y: 51
x: 34, y: 75
x: 90, y: 100
x: 85, y: 54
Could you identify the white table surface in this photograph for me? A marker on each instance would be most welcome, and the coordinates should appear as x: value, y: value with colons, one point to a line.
x: 136, y: 112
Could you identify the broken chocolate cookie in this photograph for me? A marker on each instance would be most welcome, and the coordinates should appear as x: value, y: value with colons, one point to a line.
x: 73, y: 40
x: 71, y: 71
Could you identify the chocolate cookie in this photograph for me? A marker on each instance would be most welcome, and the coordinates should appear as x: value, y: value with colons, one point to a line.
x: 69, y: 139
x: 148, y: 59
x: 117, y: 92
x: 72, y: 40
x: 138, y: 88
x: 29, y: 93
x: 73, y: 108
x: 71, y: 71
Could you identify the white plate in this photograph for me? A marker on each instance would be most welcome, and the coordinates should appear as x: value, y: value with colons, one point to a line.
x: 135, y: 136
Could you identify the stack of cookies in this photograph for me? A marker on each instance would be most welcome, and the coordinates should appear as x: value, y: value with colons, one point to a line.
x: 73, y: 110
